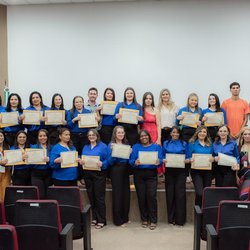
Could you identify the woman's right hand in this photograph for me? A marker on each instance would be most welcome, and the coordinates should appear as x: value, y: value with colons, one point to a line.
x: 180, y: 117
x: 118, y: 116
x: 58, y: 160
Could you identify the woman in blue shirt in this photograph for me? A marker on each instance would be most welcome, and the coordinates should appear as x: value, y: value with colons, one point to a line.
x: 119, y: 174
x: 129, y: 102
x: 213, y: 107
x: 41, y: 174
x: 175, y: 179
x: 95, y: 181
x: 200, y: 143
x: 225, y: 176
x: 145, y: 178
x: 63, y: 176
x: 14, y: 104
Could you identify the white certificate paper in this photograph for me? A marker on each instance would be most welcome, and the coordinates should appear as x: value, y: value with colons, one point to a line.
x: 148, y: 157
x: 108, y: 107
x: 35, y: 156
x: 91, y: 162
x: 87, y: 120
x: 226, y: 160
x: 69, y: 159
x: 201, y: 162
x: 54, y: 117
x: 190, y: 119
x: 14, y: 157
x: 121, y: 151
x: 10, y: 118
x: 175, y: 161
x: 32, y: 117
x: 214, y: 119
x: 128, y: 116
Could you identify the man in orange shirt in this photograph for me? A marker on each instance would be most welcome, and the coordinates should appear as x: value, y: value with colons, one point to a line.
x: 236, y: 109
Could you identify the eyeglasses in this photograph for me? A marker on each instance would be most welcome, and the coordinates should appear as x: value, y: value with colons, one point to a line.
x: 91, y: 135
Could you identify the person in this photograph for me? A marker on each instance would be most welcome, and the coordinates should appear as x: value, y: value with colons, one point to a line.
x: 119, y: 174
x: 41, y: 173
x: 63, y: 176
x: 151, y: 118
x: 14, y: 104
x: 213, y: 107
x: 236, y: 110
x: 56, y: 104
x: 95, y: 181
x: 145, y: 179
x: 36, y: 104
x: 91, y: 104
x: 244, y: 172
x: 225, y: 175
x: 22, y: 173
x: 175, y: 179
x: 200, y: 143
x: 168, y: 113
x: 129, y: 102
x: 107, y: 121
x: 5, y: 174
x: 78, y: 135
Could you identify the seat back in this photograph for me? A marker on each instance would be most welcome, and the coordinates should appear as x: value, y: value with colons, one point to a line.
x: 38, y: 224
x: 2, y: 214
x: 233, y: 225
x: 8, y: 238
x: 70, y: 203
x: 14, y: 193
x: 211, y: 198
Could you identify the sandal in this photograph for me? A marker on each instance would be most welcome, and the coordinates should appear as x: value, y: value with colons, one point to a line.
x: 152, y: 226
x: 93, y: 222
x: 99, y: 225
x: 144, y: 224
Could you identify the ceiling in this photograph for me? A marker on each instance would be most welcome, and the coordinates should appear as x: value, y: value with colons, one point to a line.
x: 25, y: 2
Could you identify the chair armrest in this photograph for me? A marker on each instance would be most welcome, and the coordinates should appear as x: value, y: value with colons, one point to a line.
x: 86, y: 218
x: 197, y: 227
x: 66, y: 237
x: 212, y: 237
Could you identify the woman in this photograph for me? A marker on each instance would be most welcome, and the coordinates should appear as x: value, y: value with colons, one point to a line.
x: 130, y: 102
x: 145, y: 178
x: 22, y: 173
x: 107, y: 121
x: 151, y: 118
x: 119, y: 174
x: 225, y: 176
x: 36, y: 104
x: 175, y: 179
x: 14, y: 104
x: 4, y: 171
x: 56, y: 104
x: 244, y: 172
x: 95, y: 181
x: 168, y: 113
x: 200, y: 143
x: 78, y: 135
x: 41, y: 174
x: 63, y: 176
x: 213, y: 107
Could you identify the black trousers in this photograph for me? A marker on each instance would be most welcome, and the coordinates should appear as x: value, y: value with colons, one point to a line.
x: 146, y: 190
x: 32, y: 136
x: 42, y: 179
x: 212, y: 132
x: 106, y: 133
x: 225, y: 176
x: 131, y: 133
x: 175, y: 185
x: 187, y: 133
x: 79, y: 140
x: 165, y: 135
x: 53, y: 134
x: 201, y: 179
x: 95, y: 182
x: 119, y: 174
x: 21, y: 177
x: 64, y: 182
x: 10, y: 138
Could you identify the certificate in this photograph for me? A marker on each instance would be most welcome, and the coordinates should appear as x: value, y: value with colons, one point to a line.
x: 69, y: 159
x: 108, y: 107
x: 148, y: 157
x: 214, y: 119
x: 32, y: 117
x: 14, y: 157
x: 35, y: 156
x: 91, y: 162
x: 201, y: 162
x: 54, y: 117
x: 87, y: 120
x: 226, y: 160
x: 190, y: 119
x: 128, y: 116
x: 175, y: 161
x: 121, y: 151
x: 9, y: 119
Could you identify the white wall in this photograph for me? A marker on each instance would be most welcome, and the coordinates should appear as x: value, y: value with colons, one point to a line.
x: 199, y: 46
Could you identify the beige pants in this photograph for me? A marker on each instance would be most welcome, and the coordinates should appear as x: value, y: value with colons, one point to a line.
x: 4, y: 182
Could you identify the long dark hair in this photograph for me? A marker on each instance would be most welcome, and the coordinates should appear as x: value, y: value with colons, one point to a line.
x: 143, y: 101
x: 47, y: 134
x: 5, y: 144
x: 106, y: 90
x: 27, y: 139
x: 53, y: 101
x: 217, y: 104
x: 134, y: 99
x: 113, y: 138
x: 147, y: 133
x: 73, y: 109
x: 60, y: 132
x: 217, y: 137
x: 19, y: 106
x: 36, y: 92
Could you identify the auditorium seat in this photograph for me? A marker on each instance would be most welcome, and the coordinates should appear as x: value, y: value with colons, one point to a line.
x: 2, y: 214
x: 8, y: 238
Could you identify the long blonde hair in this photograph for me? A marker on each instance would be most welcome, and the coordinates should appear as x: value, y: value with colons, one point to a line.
x: 241, y: 139
x: 195, y: 136
x: 170, y: 104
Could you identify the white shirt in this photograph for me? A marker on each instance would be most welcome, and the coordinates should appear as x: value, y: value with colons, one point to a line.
x: 168, y: 117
